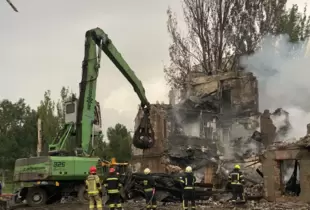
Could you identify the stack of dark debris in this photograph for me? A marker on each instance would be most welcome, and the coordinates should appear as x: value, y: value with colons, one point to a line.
x: 168, y: 187
x: 199, y: 153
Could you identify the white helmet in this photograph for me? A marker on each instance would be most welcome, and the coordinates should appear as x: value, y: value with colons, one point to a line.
x: 147, y: 171
x: 188, y: 169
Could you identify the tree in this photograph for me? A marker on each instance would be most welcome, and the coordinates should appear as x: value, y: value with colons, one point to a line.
x: 18, y: 132
x: 219, y: 33
x: 50, y: 121
x: 119, y: 145
x: 52, y: 115
x: 295, y: 24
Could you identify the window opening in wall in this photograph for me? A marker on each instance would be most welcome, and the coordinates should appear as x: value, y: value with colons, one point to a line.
x: 290, y: 178
x: 226, y: 101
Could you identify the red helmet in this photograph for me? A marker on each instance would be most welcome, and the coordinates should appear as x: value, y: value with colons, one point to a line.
x: 112, y: 170
x: 92, y: 170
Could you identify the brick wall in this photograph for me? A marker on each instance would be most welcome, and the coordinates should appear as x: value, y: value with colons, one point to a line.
x: 305, y: 180
x: 151, y: 157
x: 269, y: 168
x: 272, y: 173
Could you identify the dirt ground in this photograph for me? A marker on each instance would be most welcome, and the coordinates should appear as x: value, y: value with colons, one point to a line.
x: 261, y: 205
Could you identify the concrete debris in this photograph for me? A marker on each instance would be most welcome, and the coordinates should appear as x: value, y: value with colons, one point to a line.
x: 171, y: 169
x: 210, y: 204
x: 215, y: 125
x: 255, y: 190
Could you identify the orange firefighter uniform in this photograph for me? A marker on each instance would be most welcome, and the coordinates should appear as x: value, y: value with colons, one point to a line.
x: 93, y: 187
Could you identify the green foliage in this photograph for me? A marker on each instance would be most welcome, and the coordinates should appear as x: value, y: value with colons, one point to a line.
x: 18, y: 126
x: 18, y: 132
x: 52, y: 113
x: 50, y: 121
x: 295, y: 23
x: 119, y: 145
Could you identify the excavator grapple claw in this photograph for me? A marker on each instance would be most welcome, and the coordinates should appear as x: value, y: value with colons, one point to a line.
x: 144, y: 135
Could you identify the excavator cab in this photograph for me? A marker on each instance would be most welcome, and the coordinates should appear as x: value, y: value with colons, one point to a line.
x: 71, y: 109
x: 61, y: 145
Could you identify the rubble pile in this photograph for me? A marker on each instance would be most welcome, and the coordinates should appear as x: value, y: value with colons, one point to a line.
x: 188, y: 150
x: 168, y: 187
x: 264, y: 205
x: 210, y: 204
x: 214, y: 126
x: 304, y: 141
x: 254, y: 190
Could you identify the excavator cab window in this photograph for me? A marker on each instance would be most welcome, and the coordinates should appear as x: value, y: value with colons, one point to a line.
x: 70, y: 108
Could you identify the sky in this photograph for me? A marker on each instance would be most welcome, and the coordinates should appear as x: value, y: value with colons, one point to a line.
x: 42, y: 48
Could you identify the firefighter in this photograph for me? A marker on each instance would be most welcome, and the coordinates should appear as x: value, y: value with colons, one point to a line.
x: 149, y: 190
x: 93, y: 187
x: 236, y: 180
x: 113, y: 185
x: 188, y: 182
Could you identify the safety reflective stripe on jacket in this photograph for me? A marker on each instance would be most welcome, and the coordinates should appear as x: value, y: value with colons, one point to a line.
x: 235, y: 177
x: 149, y: 184
x: 92, y: 182
x: 188, y: 181
x: 147, y: 188
x: 112, y: 184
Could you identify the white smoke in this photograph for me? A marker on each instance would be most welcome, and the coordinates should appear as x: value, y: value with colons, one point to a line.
x: 282, y: 70
x: 288, y: 170
x: 244, y: 144
x: 192, y: 129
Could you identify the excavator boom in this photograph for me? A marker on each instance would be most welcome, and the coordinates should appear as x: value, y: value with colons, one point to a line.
x: 106, y: 45
x: 144, y: 135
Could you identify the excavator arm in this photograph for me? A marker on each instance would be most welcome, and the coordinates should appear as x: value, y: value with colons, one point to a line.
x: 106, y: 45
x: 144, y: 136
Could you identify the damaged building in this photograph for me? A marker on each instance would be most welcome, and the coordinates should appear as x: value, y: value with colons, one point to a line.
x: 286, y: 170
x: 199, y: 128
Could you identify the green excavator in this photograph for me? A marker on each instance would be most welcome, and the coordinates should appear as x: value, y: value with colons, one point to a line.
x: 62, y: 172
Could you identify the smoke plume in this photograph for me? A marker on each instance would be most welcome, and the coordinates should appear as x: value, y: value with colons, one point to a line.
x: 282, y: 70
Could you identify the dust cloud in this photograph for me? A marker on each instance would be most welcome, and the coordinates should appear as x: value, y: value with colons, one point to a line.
x: 192, y: 129
x: 282, y: 70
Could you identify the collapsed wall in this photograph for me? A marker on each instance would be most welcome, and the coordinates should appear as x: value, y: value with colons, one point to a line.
x: 215, y: 125
x: 217, y: 111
